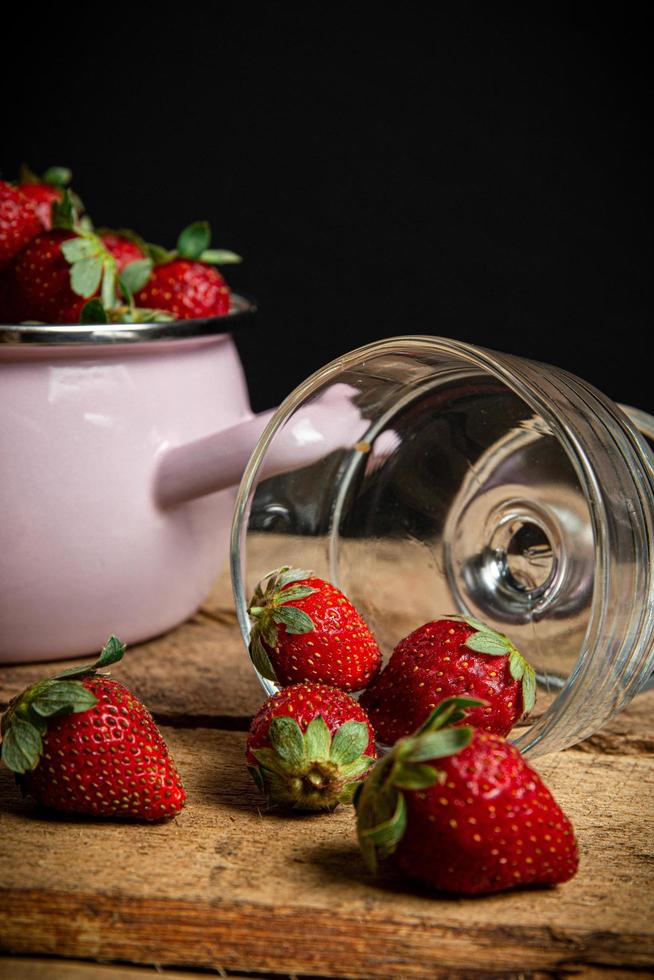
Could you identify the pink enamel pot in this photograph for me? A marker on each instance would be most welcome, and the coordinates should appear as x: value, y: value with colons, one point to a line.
x: 120, y: 449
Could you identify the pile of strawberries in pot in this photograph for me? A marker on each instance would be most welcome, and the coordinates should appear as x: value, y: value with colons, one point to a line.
x: 57, y: 268
x: 449, y: 802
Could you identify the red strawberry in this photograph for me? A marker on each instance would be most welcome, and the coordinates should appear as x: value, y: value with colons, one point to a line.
x: 19, y: 222
x: 59, y: 271
x: 186, y: 289
x: 451, y: 656
x: 123, y: 249
x: 305, y: 629
x: 42, y: 196
x: 44, y: 191
x: 82, y: 743
x: 308, y: 747
x: 183, y: 282
x: 42, y: 278
x: 461, y: 810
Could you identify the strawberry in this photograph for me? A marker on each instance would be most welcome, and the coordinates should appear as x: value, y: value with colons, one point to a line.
x: 305, y: 629
x: 451, y: 656
x: 82, y: 743
x: 44, y: 191
x: 125, y: 250
x: 461, y: 810
x: 308, y: 747
x: 184, y: 282
x: 42, y: 280
x: 60, y: 270
x: 19, y: 222
x: 188, y: 290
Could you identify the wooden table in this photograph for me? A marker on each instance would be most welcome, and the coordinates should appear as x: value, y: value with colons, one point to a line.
x: 230, y: 889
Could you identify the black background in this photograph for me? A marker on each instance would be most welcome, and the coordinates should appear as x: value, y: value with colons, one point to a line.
x: 478, y: 172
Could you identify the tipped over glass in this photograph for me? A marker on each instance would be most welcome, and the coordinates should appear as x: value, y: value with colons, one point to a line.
x: 423, y: 477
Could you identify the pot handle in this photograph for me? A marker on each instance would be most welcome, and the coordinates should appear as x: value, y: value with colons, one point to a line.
x: 214, y: 462
x: 217, y: 461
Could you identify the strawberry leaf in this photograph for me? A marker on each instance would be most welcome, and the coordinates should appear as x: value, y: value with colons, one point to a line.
x: 109, y: 277
x: 517, y: 664
x: 488, y: 642
x: 159, y: 254
x: 93, y: 313
x: 63, y: 212
x: 260, y: 658
x: 269, y: 631
x: 295, y: 621
x: 135, y: 275
x: 349, y: 742
x: 194, y: 240
x: 415, y: 776
x: 255, y: 772
x: 75, y: 249
x: 111, y: 653
x: 270, y: 761
x: 352, y: 770
x: 287, y: 740
x: 528, y: 688
x: 219, y: 256
x: 58, y: 176
x: 288, y: 575
x: 448, y: 712
x: 317, y: 740
x: 21, y: 746
x: 295, y: 593
x: 61, y: 698
x: 384, y: 836
x: 85, y: 276
x: 438, y: 745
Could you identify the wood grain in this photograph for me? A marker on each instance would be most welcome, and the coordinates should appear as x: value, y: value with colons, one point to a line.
x: 228, y: 885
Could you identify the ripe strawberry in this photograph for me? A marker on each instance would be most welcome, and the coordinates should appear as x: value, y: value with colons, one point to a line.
x: 44, y: 191
x: 42, y: 196
x: 82, y: 743
x: 42, y: 280
x: 19, y: 222
x: 183, y: 281
x: 124, y: 250
x: 461, y: 810
x: 308, y: 747
x: 310, y: 632
x: 59, y: 271
x: 188, y: 290
x: 452, y: 656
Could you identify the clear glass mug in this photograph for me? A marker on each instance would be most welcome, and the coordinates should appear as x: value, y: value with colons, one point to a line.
x: 444, y: 478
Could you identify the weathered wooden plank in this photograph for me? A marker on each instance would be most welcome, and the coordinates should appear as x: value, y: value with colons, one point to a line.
x: 228, y: 885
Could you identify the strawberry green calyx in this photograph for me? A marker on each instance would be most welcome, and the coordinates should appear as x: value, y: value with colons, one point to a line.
x: 94, y: 314
x: 54, y: 176
x: 192, y: 244
x: 379, y: 800
x: 494, y: 644
x: 314, y: 770
x: 268, y: 610
x: 26, y: 720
